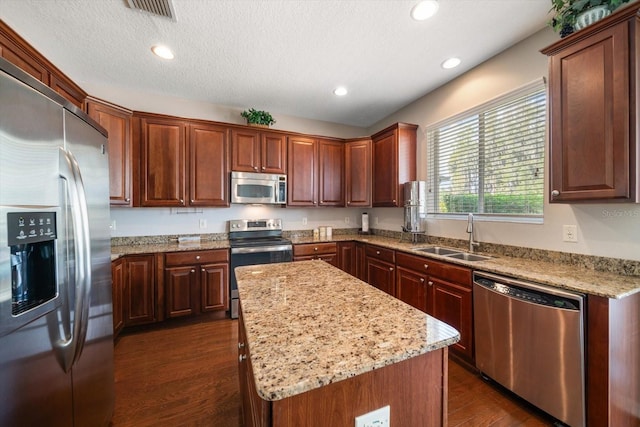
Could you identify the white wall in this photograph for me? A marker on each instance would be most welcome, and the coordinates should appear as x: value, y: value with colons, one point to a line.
x: 610, y: 230
x: 161, y: 221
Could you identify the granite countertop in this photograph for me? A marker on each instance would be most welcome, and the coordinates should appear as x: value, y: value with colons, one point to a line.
x: 560, y: 275
x: 309, y: 324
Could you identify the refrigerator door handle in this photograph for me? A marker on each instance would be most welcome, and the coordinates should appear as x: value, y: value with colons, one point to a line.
x: 70, y: 172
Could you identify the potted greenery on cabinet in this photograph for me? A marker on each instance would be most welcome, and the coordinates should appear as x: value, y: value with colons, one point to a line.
x: 573, y: 15
x: 258, y: 118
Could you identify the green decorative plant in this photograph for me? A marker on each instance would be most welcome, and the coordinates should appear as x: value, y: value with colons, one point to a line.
x: 566, y: 12
x: 258, y: 117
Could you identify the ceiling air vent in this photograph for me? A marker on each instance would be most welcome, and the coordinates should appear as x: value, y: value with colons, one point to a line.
x: 162, y: 8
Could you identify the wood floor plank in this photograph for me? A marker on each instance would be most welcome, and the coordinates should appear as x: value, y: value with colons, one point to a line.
x: 184, y: 372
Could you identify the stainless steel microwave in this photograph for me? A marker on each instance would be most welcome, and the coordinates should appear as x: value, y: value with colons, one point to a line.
x: 258, y: 188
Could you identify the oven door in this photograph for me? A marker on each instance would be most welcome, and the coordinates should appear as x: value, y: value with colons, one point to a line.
x: 253, y: 256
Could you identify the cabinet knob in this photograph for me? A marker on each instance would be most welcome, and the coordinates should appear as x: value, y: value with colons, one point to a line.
x: 242, y: 357
x: 390, y: 268
x: 240, y: 345
x: 422, y: 280
x: 394, y: 200
x: 377, y: 252
x: 255, y: 168
x: 426, y: 266
x: 202, y: 270
x: 127, y: 200
x: 182, y: 201
x: 315, y: 249
x: 197, y: 256
x: 348, y: 203
x: 555, y: 193
x: 314, y: 202
x: 263, y: 168
x: 192, y: 201
x: 430, y: 283
x: 193, y: 270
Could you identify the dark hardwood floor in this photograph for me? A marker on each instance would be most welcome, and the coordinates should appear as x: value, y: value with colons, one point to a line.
x: 184, y: 373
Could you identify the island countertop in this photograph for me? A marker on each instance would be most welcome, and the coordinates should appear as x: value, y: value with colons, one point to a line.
x: 309, y: 324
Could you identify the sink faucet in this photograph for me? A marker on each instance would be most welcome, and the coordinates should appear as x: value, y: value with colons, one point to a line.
x: 472, y: 243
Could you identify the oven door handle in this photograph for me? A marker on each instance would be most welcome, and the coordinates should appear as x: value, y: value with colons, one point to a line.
x: 261, y: 249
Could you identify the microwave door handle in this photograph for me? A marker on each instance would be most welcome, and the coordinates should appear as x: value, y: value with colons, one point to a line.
x: 276, y: 191
x: 70, y: 172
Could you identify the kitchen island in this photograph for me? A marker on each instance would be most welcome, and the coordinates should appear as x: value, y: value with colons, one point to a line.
x: 320, y: 347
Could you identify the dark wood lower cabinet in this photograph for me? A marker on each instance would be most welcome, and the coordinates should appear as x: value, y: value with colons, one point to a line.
x: 325, y: 251
x: 381, y: 274
x: 140, y: 291
x: 347, y: 257
x: 453, y: 304
x: 412, y: 288
x: 423, y: 378
x: 196, y: 282
x: 117, y: 292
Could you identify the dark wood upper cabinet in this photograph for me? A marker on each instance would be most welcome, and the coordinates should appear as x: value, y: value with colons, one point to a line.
x: 358, y: 173
x: 593, y: 101
x: 181, y: 162
x: 117, y: 122
x: 394, y: 163
x: 209, y: 165
x: 330, y: 173
x: 302, y: 171
x: 315, y: 173
x: 16, y: 50
x: 255, y: 151
x: 162, y: 161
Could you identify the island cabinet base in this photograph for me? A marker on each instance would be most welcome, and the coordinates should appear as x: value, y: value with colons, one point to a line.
x: 415, y: 390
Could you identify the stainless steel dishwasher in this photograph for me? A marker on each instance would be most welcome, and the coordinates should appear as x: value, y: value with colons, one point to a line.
x: 530, y: 339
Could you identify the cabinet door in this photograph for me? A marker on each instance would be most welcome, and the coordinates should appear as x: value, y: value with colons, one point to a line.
x: 140, y: 290
x: 273, y: 153
x: 385, y: 170
x: 361, y: 261
x: 209, y: 165
x: 358, y: 173
x: 453, y: 305
x: 181, y: 287
x: 330, y: 173
x: 381, y: 275
x: 412, y: 288
x: 347, y: 257
x: 163, y: 162
x: 15, y: 54
x: 590, y: 132
x: 117, y: 122
x: 302, y: 167
x: 214, y: 284
x: 117, y: 278
x: 245, y: 150
x: 69, y: 90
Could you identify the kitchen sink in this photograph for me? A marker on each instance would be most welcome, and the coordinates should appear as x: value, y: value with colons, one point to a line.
x: 469, y: 257
x: 437, y: 250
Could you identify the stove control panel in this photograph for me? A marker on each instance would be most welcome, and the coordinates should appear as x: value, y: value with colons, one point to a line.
x: 255, y: 224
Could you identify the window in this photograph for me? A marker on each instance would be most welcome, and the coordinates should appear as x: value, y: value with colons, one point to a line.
x: 490, y: 160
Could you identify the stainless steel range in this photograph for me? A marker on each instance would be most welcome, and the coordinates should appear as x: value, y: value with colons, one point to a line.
x: 255, y: 241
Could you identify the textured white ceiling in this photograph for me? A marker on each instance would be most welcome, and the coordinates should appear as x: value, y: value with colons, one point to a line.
x: 285, y: 56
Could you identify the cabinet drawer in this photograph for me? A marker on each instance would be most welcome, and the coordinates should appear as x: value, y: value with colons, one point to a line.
x: 196, y: 257
x: 314, y: 249
x: 384, y: 254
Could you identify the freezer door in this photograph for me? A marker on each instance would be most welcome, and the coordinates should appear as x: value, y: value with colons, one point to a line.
x: 35, y: 389
x: 93, y: 380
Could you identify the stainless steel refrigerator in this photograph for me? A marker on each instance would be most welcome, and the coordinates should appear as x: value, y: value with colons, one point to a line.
x: 56, y: 347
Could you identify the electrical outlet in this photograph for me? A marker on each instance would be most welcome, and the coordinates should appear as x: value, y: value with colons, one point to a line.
x: 304, y: 220
x: 346, y: 220
x: 570, y: 233
x: 379, y: 418
x: 203, y: 223
x: 113, y: 225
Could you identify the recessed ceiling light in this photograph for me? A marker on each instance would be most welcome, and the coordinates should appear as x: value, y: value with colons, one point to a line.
x: 340, y: 91
x: 162, y: 51
x: 451, y: 63
x: 424, y: 10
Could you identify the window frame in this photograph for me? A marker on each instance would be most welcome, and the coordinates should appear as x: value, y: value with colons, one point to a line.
x: 432, y: 155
